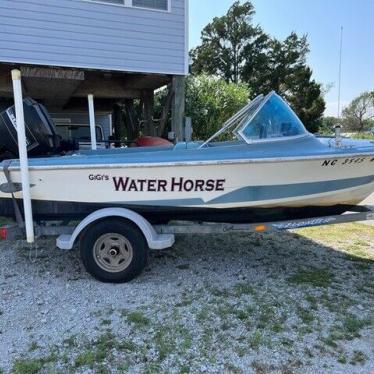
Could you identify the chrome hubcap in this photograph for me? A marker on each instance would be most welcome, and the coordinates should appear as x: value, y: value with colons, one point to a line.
x: 113, y: 252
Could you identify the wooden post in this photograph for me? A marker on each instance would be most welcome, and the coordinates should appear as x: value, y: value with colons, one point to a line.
x: 148, y: 110
x: 178, y: 107
x: 132, y: 124
x: 165, y: 111
x: 118, y: 124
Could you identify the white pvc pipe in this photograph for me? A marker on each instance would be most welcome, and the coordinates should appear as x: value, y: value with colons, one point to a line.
x: 91, y: 111
x: 22, y: 149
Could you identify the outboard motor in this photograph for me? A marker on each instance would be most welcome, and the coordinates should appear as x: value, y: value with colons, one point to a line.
x: 41, y: 135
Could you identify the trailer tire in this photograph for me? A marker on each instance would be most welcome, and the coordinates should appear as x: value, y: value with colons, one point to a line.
x: 113, y: 250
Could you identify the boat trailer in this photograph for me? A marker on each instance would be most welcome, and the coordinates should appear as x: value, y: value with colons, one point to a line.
x: 127, y: 231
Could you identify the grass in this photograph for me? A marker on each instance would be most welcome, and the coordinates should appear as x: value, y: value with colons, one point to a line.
x: 241, y: 289
x: 87, y: 358
x: 278, y: 327
x: 123, y: 367
x: 363, y: 135
x: 33, y: 346
x: 358, y: 357
x: 255, y: 340
x: 32, y: 366
x: 152, y: 368
x: 349, y: 327
x: 95, y: 355
x: 203, y: 314
x: 170, y: 339
x: 262, y: 322
x: 101, y: 351
x: 107, y: 351
x: 313, y: 277
x: 330, y: 340
x: 352, y: 325
x: 342, y: 359
x: 313, y: 301
x: 218, y: 292
x: 27, y: 366
x: 71, y: 341
x: 185, y: 302
x: 354, y: 239
x: 266, y: 316
x: 164, y: 344
x: 81, y: 352
x: 259, y: 367
x: 305, y: 315
x: 138, y: 319
x: 287, y: 342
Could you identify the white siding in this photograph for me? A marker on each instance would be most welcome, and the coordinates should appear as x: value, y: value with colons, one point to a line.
x: 77, y: 33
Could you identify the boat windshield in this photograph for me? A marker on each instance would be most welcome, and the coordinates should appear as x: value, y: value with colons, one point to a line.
x: 264, y: 119
x: 273, y: 120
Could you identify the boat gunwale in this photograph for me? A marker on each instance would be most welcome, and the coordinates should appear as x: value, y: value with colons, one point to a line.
x: 195, y: 163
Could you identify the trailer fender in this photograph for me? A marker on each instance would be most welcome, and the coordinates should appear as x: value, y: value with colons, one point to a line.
x: 154, y: 240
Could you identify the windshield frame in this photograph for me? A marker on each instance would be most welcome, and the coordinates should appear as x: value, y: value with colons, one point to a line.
x: 237, y: 117
x: 239, y: 131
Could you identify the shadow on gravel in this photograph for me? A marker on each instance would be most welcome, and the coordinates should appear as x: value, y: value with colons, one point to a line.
x: 202, y: 257
x: 256, y: 256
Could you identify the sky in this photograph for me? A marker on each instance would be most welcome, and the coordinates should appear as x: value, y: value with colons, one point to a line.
x: 321, y: 20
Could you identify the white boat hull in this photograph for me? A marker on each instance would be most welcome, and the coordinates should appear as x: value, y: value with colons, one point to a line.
x: 237, y: 184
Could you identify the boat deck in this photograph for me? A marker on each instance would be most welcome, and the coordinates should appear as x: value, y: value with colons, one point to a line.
x: 306, y: 147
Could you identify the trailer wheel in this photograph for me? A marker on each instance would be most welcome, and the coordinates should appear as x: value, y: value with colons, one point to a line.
x: 114, y: 250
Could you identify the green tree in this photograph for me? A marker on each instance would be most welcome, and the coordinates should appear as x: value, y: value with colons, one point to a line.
x: 239, y: 51
x: 305, y: 96
x: 226, y: 42
x: 210, y: 101
x: 281, y: 60
x: 359, y: 114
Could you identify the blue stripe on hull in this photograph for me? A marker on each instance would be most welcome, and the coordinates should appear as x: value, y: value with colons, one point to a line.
x: 263, y: 193
x: 260, y: 193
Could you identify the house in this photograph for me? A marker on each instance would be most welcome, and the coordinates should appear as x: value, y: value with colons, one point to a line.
x: 120, y: 51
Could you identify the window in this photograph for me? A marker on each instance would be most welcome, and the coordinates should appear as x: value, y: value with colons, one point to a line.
x: 162, y: 5
x: 119, y: 2
x: 79, y: 132
x: 152, y: 4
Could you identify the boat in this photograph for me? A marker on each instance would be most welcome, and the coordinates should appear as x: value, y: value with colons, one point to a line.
x: 262, y: 165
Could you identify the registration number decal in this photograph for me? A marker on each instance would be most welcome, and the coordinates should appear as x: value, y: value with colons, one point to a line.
x: 346, y: 161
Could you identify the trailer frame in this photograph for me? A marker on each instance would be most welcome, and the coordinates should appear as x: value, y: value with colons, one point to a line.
x: 162, y: 236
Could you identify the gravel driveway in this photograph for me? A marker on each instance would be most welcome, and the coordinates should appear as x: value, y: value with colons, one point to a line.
x: 292, y: 302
